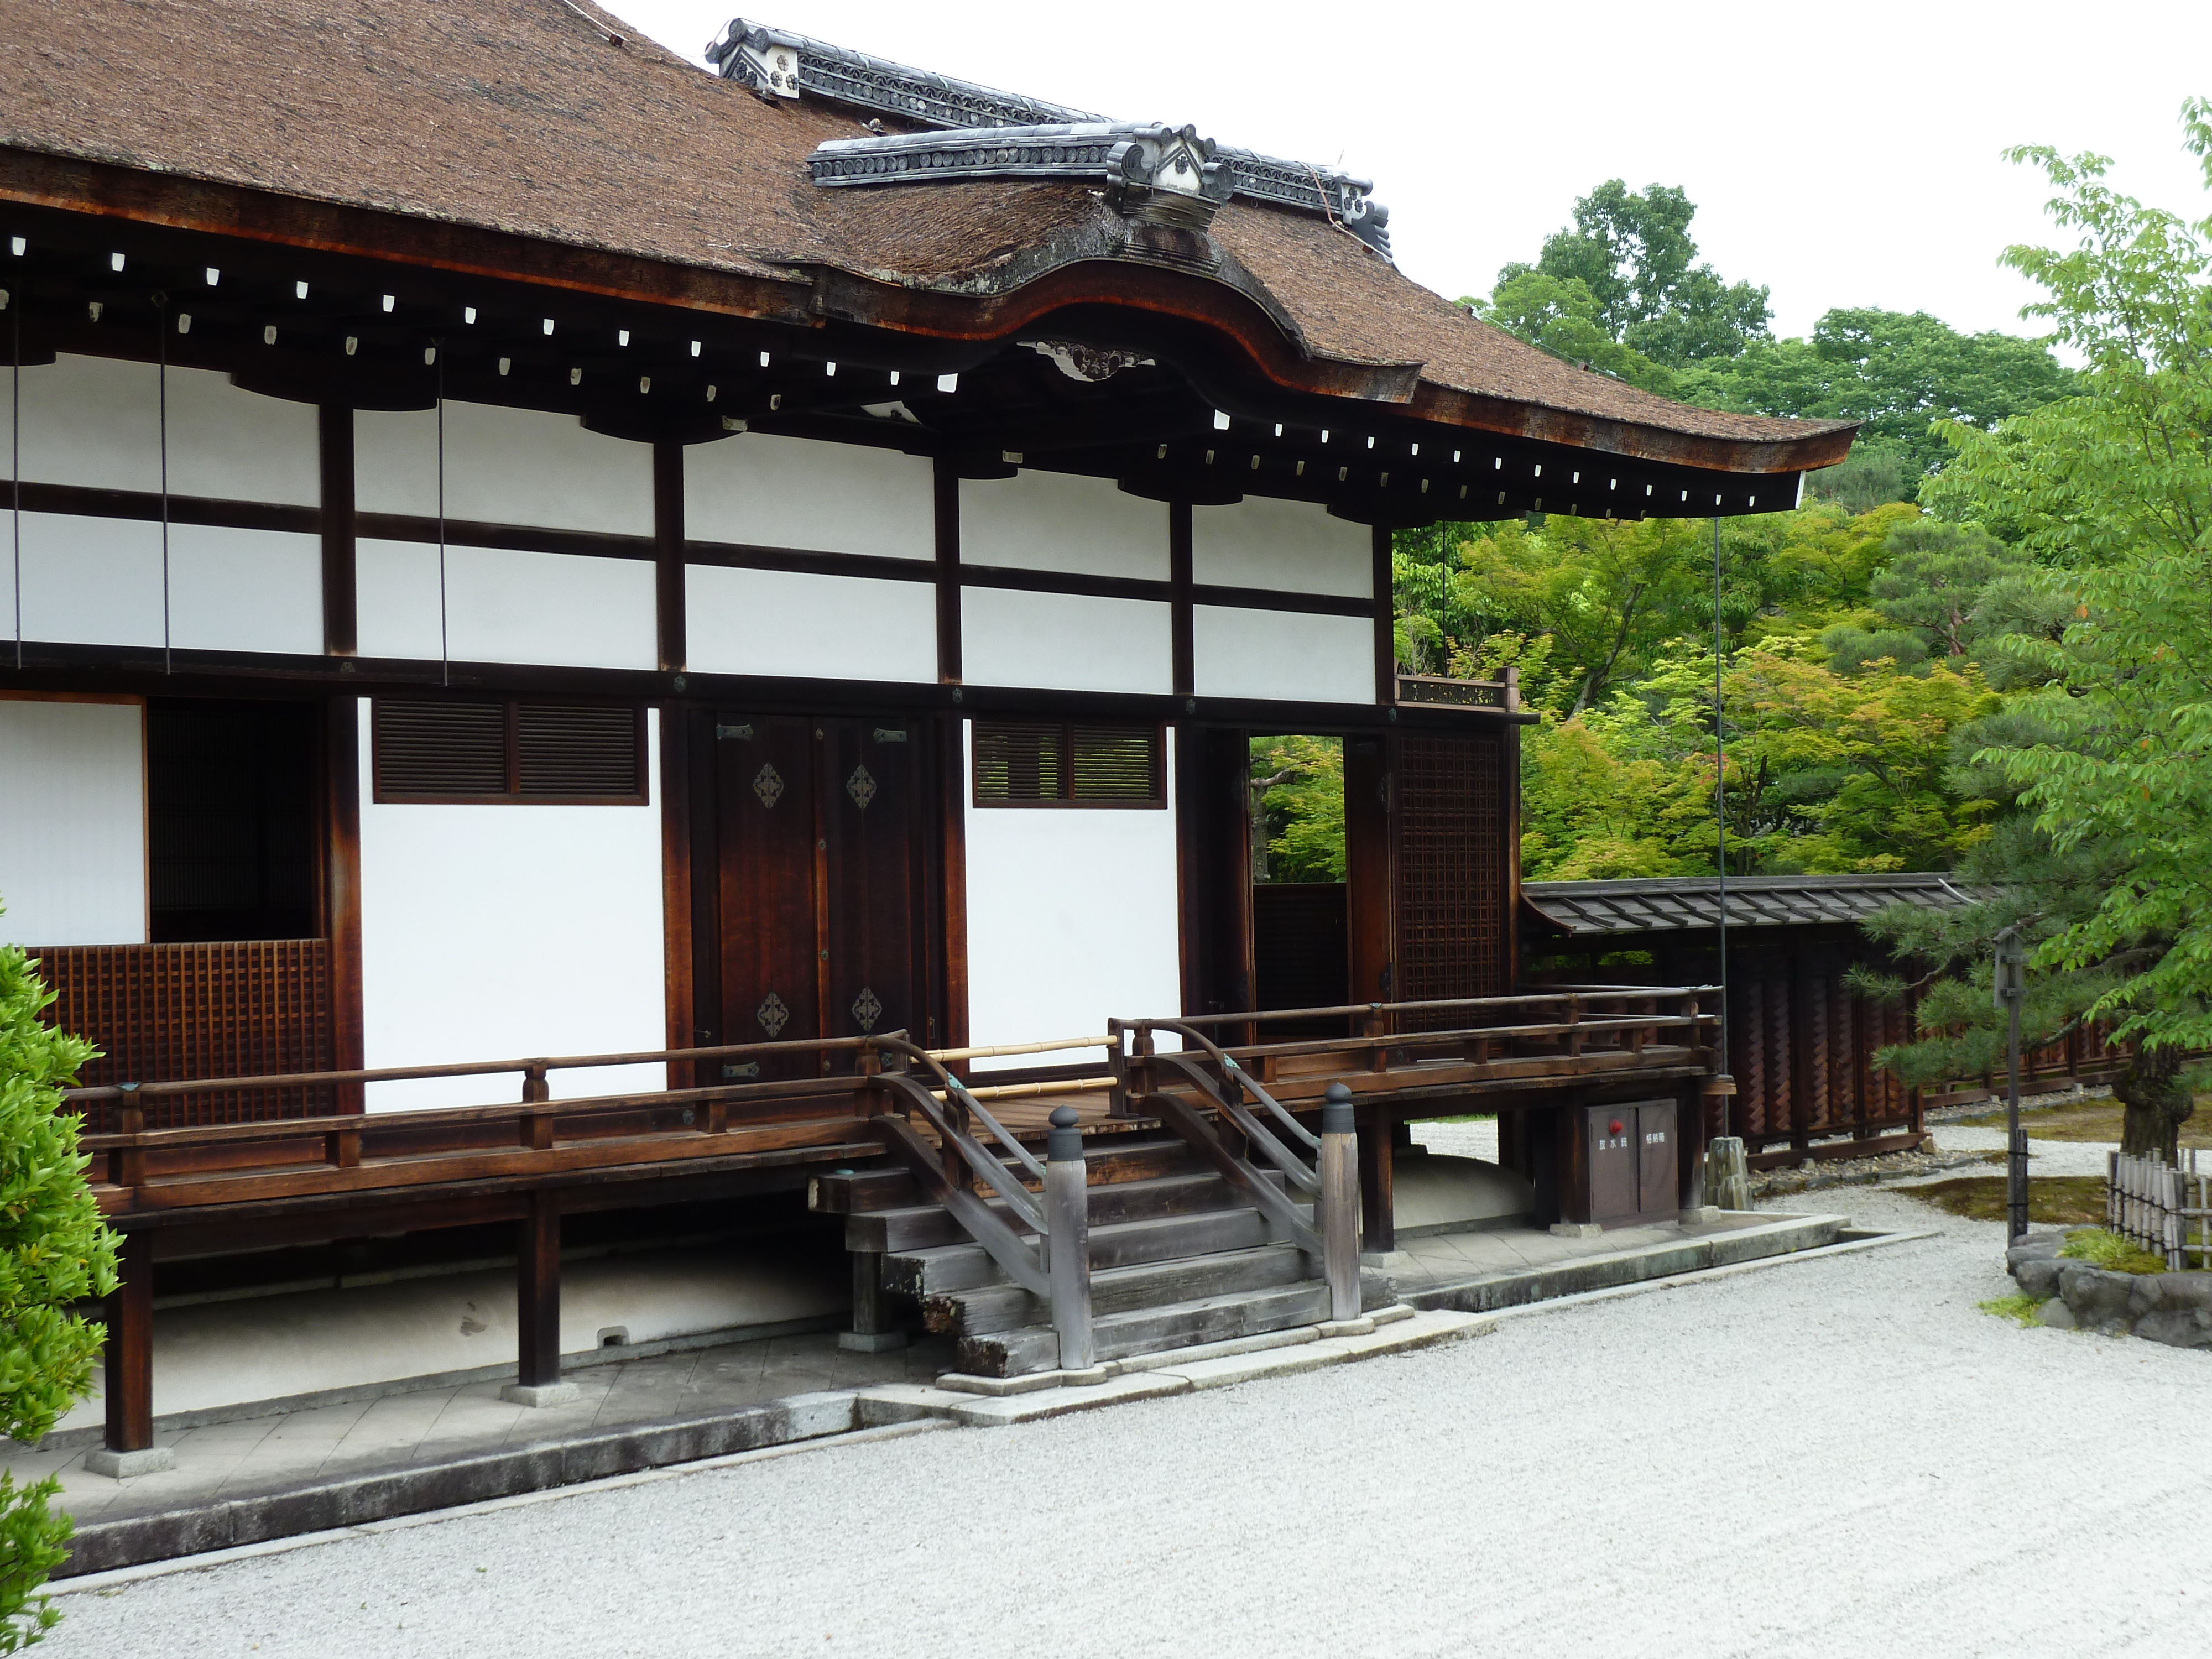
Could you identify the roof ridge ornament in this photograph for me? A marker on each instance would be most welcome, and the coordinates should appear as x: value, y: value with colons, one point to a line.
x: 779, y: 64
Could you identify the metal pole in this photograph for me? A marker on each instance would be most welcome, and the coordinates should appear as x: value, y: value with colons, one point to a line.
x: 161, y: 333
x: 1720, y: 822
x: 1067, y: 1222
x: 1340, y: 1202
x: 2011, y: 991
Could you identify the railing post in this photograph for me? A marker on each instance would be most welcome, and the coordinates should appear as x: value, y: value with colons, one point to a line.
x: 1340, y: 1202
x: 1068, y: 1231
x: 128, y: 1447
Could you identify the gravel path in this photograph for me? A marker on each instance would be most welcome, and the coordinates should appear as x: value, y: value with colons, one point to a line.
x: 1840, y: 1457
x: 2044, y: 1158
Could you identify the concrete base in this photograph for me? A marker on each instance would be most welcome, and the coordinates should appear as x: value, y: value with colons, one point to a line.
x: 1028, y: 1382
x: 122, y: 1465
x: 1703, y: 1215
x: 871, y: 1341
x: 1328, y: 1327
x: 1576, y: 1230
x: 1383, y: 1258
x: 540, y: 1394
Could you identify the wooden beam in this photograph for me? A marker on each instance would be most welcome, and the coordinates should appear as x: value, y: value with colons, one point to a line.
x: 537, y: 1292
x: 1386, y: 645
x: 341, y: 603
x: 676, y: 877
x: 1182, y: 648
x: 1378, y: 1225
x: 953, y: 878
x: 342, y: 890
x: 129, y: 1390
x: 947, y: 502
x: 669, y: 621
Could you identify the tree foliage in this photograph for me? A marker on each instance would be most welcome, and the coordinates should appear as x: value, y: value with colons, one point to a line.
x: 54, y: 1252
x: 1297, y: 809
x: 2106, y: 750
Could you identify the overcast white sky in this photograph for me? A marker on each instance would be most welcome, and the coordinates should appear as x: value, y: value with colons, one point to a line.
x: 1843, y: 154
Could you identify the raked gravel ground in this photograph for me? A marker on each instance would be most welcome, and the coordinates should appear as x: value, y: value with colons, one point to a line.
x: 1839, y: 1456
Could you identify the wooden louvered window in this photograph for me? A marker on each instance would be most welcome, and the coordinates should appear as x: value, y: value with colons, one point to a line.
x: 509, y: 751
x: 1069, y: 763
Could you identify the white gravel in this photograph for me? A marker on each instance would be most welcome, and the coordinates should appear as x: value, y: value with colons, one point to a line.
x: 2044, y: 1158
x: 1838, y: 1457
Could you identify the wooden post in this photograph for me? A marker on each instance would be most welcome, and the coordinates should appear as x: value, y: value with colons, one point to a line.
x: 1340, y: 1202
x: 128, y: 1447
x: 1067, y: 1224
x: 872, y: 1331
x: 537, y: 1308
x: 1378, y: 1233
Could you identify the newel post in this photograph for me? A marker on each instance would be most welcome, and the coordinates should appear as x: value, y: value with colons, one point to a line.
x: 1340, y: 1202
x: 1067, y: 1222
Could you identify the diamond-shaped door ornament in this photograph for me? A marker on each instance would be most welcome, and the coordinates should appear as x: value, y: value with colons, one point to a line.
x: 861, y: 788
x: 772, y: 1013
x: 767, y: 786
x: 867, y: 1009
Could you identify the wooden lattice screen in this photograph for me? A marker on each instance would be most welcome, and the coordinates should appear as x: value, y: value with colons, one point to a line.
x: 1451, y: 878
x: 161, y: 1012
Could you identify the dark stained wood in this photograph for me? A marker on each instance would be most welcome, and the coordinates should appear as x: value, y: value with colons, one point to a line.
x: 341, y: 891
x: 1369, y: 846
x: 669, y: 628
x: 678, y: 958
x: 537, y: 1292
x: 1181, y: 630
x: 768, y: 929
x: 951, y: 922
x: 128, y: 1391
x: 1384, y: 610
x: 1378, y: 1225
x: 1213, y: 867
x: 1447, y: 800
x: 78, y: 499
x: 334, y: 429
x: 1263, y: 599
x: 870, y: 789
x: 946, y: 500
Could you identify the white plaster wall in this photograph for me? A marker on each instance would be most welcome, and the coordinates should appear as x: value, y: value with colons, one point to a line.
x: 1291, y: 547
x: 98, y: 582
x: 1071, y: 919
x: 1282, y: 654
x: 90, y: 581
x: 503, y: 467
x: 72, y: 823
x: 1065, y: 642
x: 1059, y: 521
x: 95, y: 422
x: 503, y: 604
x: 808, y: 626
x: 758, y: 490
x: 494, y: 932
x: 212, y: 1354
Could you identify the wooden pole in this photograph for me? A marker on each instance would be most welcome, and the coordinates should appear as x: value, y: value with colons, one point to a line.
x: 1067, y: 1231
x: 537, y: 1308
x: 1340, y: 1202
x: 128, y: 1447
x: 1378, y: 1233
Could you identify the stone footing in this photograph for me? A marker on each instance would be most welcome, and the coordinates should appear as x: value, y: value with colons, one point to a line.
x: 122, y: 1465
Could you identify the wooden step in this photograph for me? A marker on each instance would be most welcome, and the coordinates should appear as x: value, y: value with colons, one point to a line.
x: 967, y: 1265
x: 1133, y: 1156
x: 1005, y: 1307
x: 1149, y: 1330
x: 921, y: 1226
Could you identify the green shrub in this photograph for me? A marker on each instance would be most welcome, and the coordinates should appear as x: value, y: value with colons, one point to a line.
x: 54, y: 1252
x: 2110, y: 1251
x: 2020, y: 1307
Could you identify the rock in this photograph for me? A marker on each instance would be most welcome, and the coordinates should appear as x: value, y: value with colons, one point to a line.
x: 2039, y: 1276
x: 2190, y: 1292
x: 2177, y: 1328
x: 2058, y: 1316
x: 2036, y: 1247
x: 2100, y: 1299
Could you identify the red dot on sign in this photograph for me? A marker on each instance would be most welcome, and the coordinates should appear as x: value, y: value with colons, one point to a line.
x: 1616, y: 1125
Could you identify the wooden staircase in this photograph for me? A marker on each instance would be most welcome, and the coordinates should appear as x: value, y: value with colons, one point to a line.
x: 1179, y: 1256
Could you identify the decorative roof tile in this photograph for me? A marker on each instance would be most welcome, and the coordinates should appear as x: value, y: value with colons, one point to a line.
x: 1691, y: 903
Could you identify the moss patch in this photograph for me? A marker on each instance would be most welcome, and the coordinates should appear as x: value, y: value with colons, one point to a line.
x: 2097, y: 1121
x: 2111, y: 1251
x: 2020, y: 1307
x: 2078, y: 1201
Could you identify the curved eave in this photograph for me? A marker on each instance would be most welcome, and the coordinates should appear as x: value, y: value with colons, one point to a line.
x: 987, y: 312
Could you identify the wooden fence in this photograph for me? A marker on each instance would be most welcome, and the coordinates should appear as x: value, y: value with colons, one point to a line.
x: 2151, y: 1204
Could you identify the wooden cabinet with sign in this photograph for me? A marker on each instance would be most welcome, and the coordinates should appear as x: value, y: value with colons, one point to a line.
x: 1623, y: 1164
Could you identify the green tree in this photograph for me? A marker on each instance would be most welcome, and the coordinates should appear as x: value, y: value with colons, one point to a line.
x: 2109, y: 751
x: 54, y: 1252
x: 1297, y: 809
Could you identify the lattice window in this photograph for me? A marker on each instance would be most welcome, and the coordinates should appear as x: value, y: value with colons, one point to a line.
x: 1451, y: 870
x: 1041, y: 763
x: 509, y: 751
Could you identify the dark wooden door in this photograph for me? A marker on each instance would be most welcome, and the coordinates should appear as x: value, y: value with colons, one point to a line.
x: 766, y: 928
x: 868, y: 778
x: 1452, y: 871
x: 822, y: 862
x: 1658, y: 1164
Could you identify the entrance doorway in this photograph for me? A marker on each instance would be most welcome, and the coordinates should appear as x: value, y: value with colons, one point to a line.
x: 823, y: 855
x: 1300, y: 941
